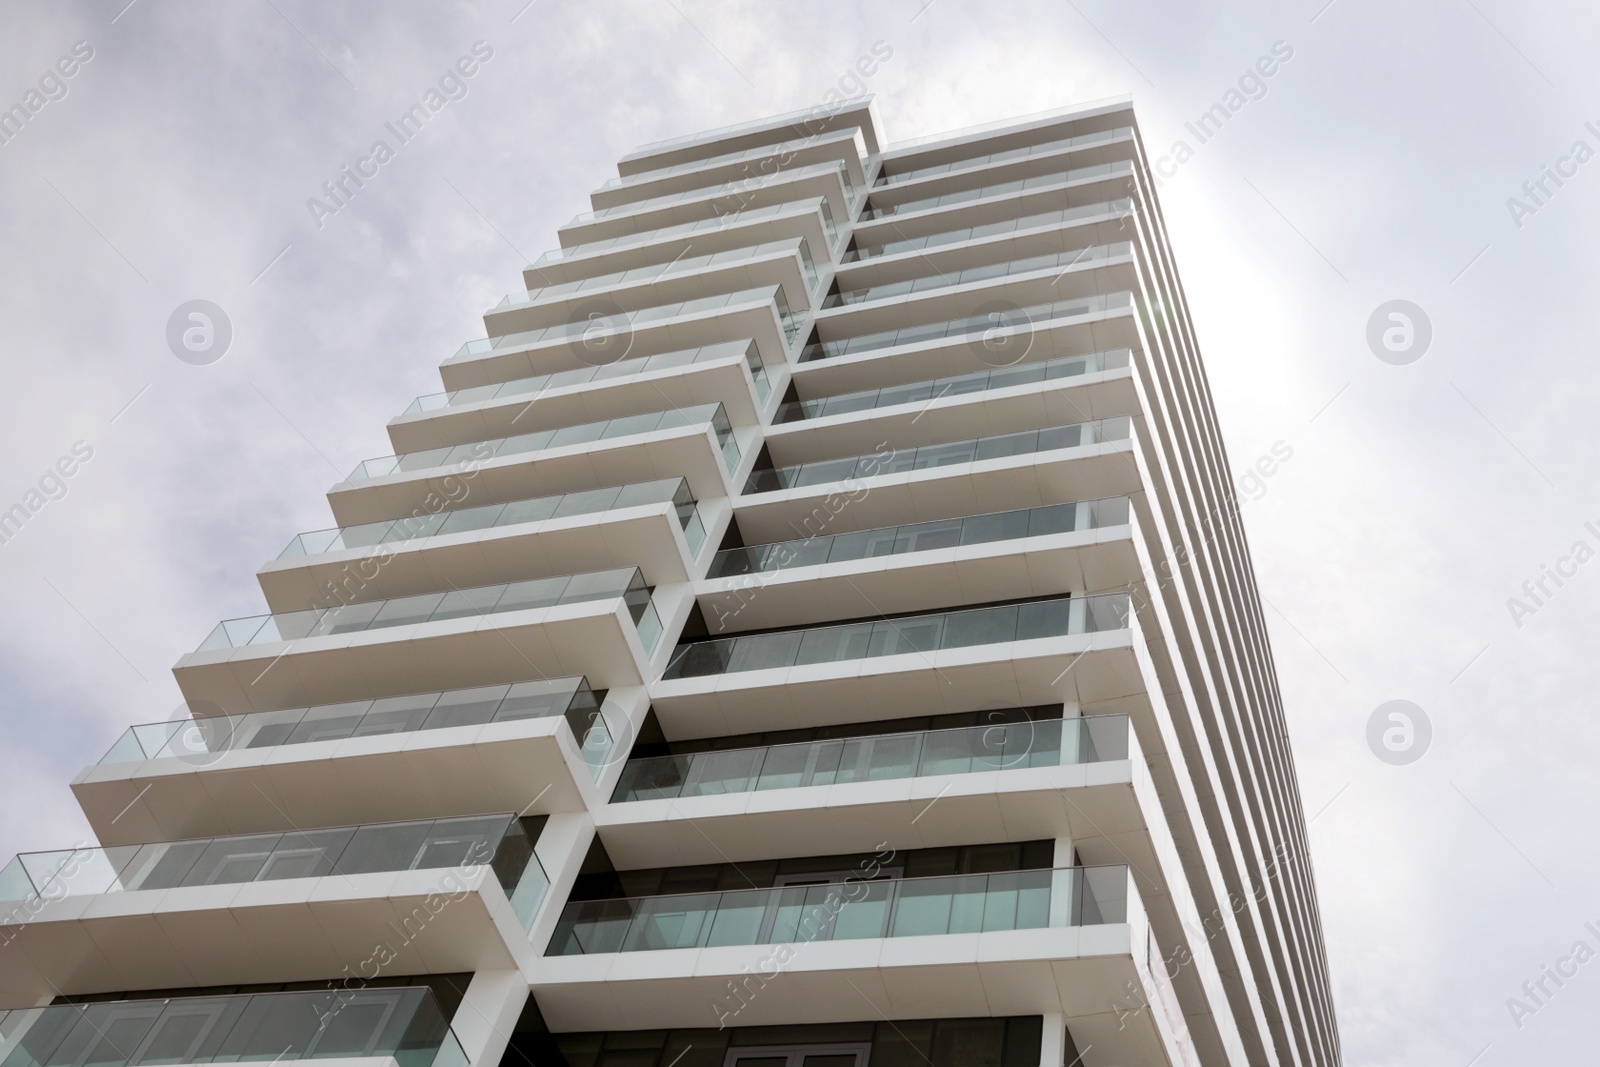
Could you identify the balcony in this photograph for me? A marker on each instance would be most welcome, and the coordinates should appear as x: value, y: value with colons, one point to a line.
x: 846, y: 146
x: 913, y: 948
x: 1013, y: 555
x: 695, y: 443
x: 829, y: 180
x: 861, y: 251
x: 925, y: 392
x: 732, y: 373
x: 1007, y: 779
x: 271, y: 907
x: 975, y: 163
x: 403, y: 1025
x: 787, y: 264
x: 814, y: 121
x: 994, y: 189
x: 919, y: 635
x: 532, y: 747
x: 991, y: 327
x: 658, y: 526
x: 881, y: 908
x: 1078, y: 649
x: 809, y: 218
x: 1000, y: 204
x: 1057, y: 261
x: 602, y: 625
x: 761, y: 315
x: 978, y: 450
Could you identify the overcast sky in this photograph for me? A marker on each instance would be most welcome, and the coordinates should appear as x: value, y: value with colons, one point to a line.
x: 1377, y: 163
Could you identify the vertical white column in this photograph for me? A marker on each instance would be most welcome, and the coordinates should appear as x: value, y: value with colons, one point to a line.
x: 1053, y: 1042
x: 1061, y: 884
x: 488, y: 1013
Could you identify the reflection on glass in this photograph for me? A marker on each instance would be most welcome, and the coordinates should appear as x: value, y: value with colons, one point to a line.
x: 840, y: 761
x: 403, y: 1022
x: 1056, y: 617
x: 840, y: 911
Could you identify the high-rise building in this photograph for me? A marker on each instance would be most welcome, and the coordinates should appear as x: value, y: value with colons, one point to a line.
x: 812, y: 629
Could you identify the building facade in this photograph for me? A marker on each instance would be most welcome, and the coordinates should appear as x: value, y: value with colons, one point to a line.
x: 812, y: 628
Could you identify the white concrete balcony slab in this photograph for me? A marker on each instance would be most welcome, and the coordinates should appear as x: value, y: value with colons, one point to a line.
x: 1028, y: 786
x: 439, y: 920
x: 813, y: 121
x: 1001, y: 409
x: 258, y: 773
x: 841, y: 146
x: 1108, y: 322
x: 746, y: 316
x: 938, y: 579
x: 1060, y: 231
x: 703, y: 451
x: 1014, y: 302
x: 825, y: 180
x: 662, y: 538
x: 801, y: 218
x: 1063, y: 970
x: 597, y: 639
x: 978, y: 145
x: 1099, y: 671
x: 1098, y: 185
x: 1037, y: 162
x: 1032, y: 480
x: 731, y: 374
x: 788, y: 266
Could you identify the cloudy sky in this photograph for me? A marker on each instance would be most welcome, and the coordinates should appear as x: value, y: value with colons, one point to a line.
x: 1376, y: 164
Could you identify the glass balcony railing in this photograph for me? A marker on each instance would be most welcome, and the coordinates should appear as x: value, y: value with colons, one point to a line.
x: 712, y: 192
x: 989, y: 229
x: 730, y: 157
x: 844, y: 911
x: 403, y: 1022
x: 656, y: 271
x: 1022, y: 321
x: 840, y: 761
x: 517, y: 512
x: 678, y: 230
x: 539, y: 440
x: 978, y: 162
x: 1003, y: 623
x: 437, y: 607
x: 577, y: 332
x: 570, y: 698
x: 1059, y: 261
x: 624, y: 368
x: 499, y: 841
x: 1028, y: 442
x: 962, y: 196
x: 921, y: 537
x: 954, y: 385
